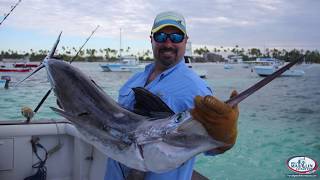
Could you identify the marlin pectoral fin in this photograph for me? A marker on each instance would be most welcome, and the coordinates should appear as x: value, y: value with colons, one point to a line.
x: 148, y: 104
x: 190, y: 141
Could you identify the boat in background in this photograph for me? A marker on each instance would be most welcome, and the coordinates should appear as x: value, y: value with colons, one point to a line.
x: 267, y: 66
x: 126, y: 64
x: 8, y: 69
x: 267, y: 70
x: 25, y: 65
x: 202, y: 73
x: 245, y: 65
x: 16, y: 65
x: 227, y: 66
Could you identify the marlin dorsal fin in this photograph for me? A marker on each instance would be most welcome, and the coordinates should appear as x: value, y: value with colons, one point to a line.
x: 148, y: 104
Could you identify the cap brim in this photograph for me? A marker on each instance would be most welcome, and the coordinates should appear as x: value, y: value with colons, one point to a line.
x: 166, y: 25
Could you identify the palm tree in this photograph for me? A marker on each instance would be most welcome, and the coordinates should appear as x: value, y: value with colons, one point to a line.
x: 254, y: 52
x: 107, y: 53
x: 75, y: 50
x: 128, y: 49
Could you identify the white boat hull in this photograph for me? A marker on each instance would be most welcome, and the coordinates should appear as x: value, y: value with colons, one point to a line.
x: 228, y: 66
x: 122, y: 68
x: 114, y: 68
x: 2, y: 83
x: 268, y: 70
x: 75, y: 160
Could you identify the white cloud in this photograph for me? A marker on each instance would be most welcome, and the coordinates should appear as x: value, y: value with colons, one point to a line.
x: 210, y: 22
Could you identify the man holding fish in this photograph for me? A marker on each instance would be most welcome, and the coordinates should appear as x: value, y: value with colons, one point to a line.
x: 180, y: 89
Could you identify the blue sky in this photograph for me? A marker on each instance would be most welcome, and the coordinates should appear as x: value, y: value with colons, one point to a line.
x: 35, y: 24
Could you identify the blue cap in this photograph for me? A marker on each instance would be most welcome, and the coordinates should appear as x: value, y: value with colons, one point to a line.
x: 169, y: 18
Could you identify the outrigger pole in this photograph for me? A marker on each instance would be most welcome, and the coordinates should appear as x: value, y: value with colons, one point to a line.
x: 49, y: 91
x: 12, y: 8
x: 74, y: 57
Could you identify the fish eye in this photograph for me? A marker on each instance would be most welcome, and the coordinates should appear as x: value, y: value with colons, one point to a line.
x: 179, y: 118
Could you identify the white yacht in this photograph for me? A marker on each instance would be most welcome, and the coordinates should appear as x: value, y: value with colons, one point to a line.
x: 267, y: 66
x: 126, y: 64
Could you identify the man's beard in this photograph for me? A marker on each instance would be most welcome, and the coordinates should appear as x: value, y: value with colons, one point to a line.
x: 170, y: 59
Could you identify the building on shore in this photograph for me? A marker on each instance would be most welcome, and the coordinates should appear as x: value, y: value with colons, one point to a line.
x: 213, y: 57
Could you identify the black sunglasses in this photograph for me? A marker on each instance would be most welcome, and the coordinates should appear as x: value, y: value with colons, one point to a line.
x: 161, y: 37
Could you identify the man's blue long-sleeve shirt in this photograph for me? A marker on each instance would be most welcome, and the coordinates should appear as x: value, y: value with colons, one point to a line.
x: 177, y: 87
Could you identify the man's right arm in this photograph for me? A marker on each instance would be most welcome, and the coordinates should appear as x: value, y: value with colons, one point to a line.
x: 219, y: 119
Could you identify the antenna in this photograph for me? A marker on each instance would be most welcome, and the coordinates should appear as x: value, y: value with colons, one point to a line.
x: 120, y: 50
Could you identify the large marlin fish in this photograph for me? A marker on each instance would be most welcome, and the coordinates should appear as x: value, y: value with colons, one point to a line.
x: 139, y: 142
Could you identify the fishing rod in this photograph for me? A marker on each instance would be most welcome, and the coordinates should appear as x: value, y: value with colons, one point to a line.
x: 12, y: 8
x: 237, y: 99
x: 74, y: 57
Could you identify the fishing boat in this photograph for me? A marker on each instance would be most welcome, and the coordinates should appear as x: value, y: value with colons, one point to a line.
x: 56, y: 150
x: 267, y: 66
x: 69, y: 157
x: 126, y: 64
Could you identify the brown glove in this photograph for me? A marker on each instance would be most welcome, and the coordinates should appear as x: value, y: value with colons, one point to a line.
x: 218, y: 118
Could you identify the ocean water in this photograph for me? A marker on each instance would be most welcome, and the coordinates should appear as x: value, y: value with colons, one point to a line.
x: 279, y: 121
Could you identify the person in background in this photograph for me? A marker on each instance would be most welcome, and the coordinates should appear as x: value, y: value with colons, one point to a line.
x: 181, y: 89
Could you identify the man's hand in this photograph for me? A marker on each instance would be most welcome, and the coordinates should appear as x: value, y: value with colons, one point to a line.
x: 218, y: 118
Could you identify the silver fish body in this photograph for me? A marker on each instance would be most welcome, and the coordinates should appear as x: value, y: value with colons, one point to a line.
x: 145, y: 144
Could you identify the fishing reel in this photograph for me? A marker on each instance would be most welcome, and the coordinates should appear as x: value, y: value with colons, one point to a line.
x: 27, y: 113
